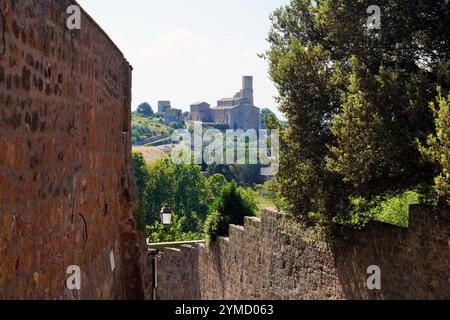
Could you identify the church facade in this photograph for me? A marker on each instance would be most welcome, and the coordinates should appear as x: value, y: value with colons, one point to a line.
x: 238, y: 112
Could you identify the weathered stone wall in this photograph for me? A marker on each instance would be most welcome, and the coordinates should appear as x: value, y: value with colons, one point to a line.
x: 276, y: 258
x: 66, y: 187
x: 178, y: 274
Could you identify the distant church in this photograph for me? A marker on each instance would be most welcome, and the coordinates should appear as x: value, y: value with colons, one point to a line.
x: 237, y: 112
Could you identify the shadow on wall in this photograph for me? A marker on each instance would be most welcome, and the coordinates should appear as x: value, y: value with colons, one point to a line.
x: 217, y: 256
x: 175, y: 273
x: 213, y: 263
x: 277, y: 258
x: 414, y: 262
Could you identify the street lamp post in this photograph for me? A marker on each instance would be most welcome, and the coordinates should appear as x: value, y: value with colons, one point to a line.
x: 166, y: 219
x: 154, y: 254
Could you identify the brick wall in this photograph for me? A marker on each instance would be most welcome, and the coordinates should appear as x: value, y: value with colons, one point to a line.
x: 276, y: 258
x: 66, y: 188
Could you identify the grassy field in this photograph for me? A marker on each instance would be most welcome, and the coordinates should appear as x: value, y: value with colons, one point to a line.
x: 152, y: 154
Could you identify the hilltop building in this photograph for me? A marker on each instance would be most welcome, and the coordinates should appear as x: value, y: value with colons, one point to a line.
x: 173, y: 115
x: 238, y: 112
x: 163, y: 106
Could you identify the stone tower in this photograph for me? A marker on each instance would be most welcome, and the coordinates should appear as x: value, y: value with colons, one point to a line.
x: 247, y: 89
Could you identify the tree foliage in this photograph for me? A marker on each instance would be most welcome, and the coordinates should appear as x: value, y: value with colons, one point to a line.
x: 192, y: 197
x: 438, y: 150
x: 215, y: 185
x: 141, y: 173
x: 270, y: 192
x: 231, y: 207
x: 175, y: 125
x: 145, y: 110
x: 174, y: 232
x: 182, y: 187
x: 268, y: 118
x: 356, y: 99
x: 243, y: 174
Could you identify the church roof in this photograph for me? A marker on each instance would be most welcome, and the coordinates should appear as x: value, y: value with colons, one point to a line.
x: 227, y: 99
x: 225, y: 107
x: 246, y: 105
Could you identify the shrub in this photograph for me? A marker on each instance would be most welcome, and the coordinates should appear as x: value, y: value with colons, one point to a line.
x: 396, y: 210
x: 175, y: 232
x: 438, y: 150
x: 392, y: 209
x: 214, y: 226
x: 230, y: 208
x: 215, y: 185
x: 175, y: 125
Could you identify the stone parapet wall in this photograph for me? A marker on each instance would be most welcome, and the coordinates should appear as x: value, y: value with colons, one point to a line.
x: 277, y: 258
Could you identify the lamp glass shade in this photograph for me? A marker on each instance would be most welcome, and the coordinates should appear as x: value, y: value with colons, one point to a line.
x: 166, y: 215
x: 166, y: 218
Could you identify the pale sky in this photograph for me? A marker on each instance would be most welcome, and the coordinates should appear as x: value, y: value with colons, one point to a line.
x: 190, y: 50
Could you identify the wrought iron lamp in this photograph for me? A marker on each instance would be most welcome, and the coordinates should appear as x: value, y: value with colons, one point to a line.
x: 166, y: 215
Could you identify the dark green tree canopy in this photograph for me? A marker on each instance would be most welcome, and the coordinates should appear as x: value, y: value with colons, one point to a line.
x: 145, y: 110
x: 231, y: 207
x: 357, y: 100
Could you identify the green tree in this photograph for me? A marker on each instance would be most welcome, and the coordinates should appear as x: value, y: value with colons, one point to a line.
x: 141, y: 173
x: 268, y: 118
x: 191, y: 195
x: 175, y: 125
x: 182, y: 187
x: 438, y: 150
x: 356, y: 99
x: 376, y: 127
x: 174, y: 232
x: 160, y: 188
x: 215, y: 185
x: 145, y: 110
x: 230, y: 208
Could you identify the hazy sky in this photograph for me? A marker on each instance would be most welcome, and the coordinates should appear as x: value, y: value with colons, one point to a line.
x: 190, y: 50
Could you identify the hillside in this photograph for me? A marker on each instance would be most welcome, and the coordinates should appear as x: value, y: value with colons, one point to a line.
x: 145, y: 128
x: 152, y: 154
